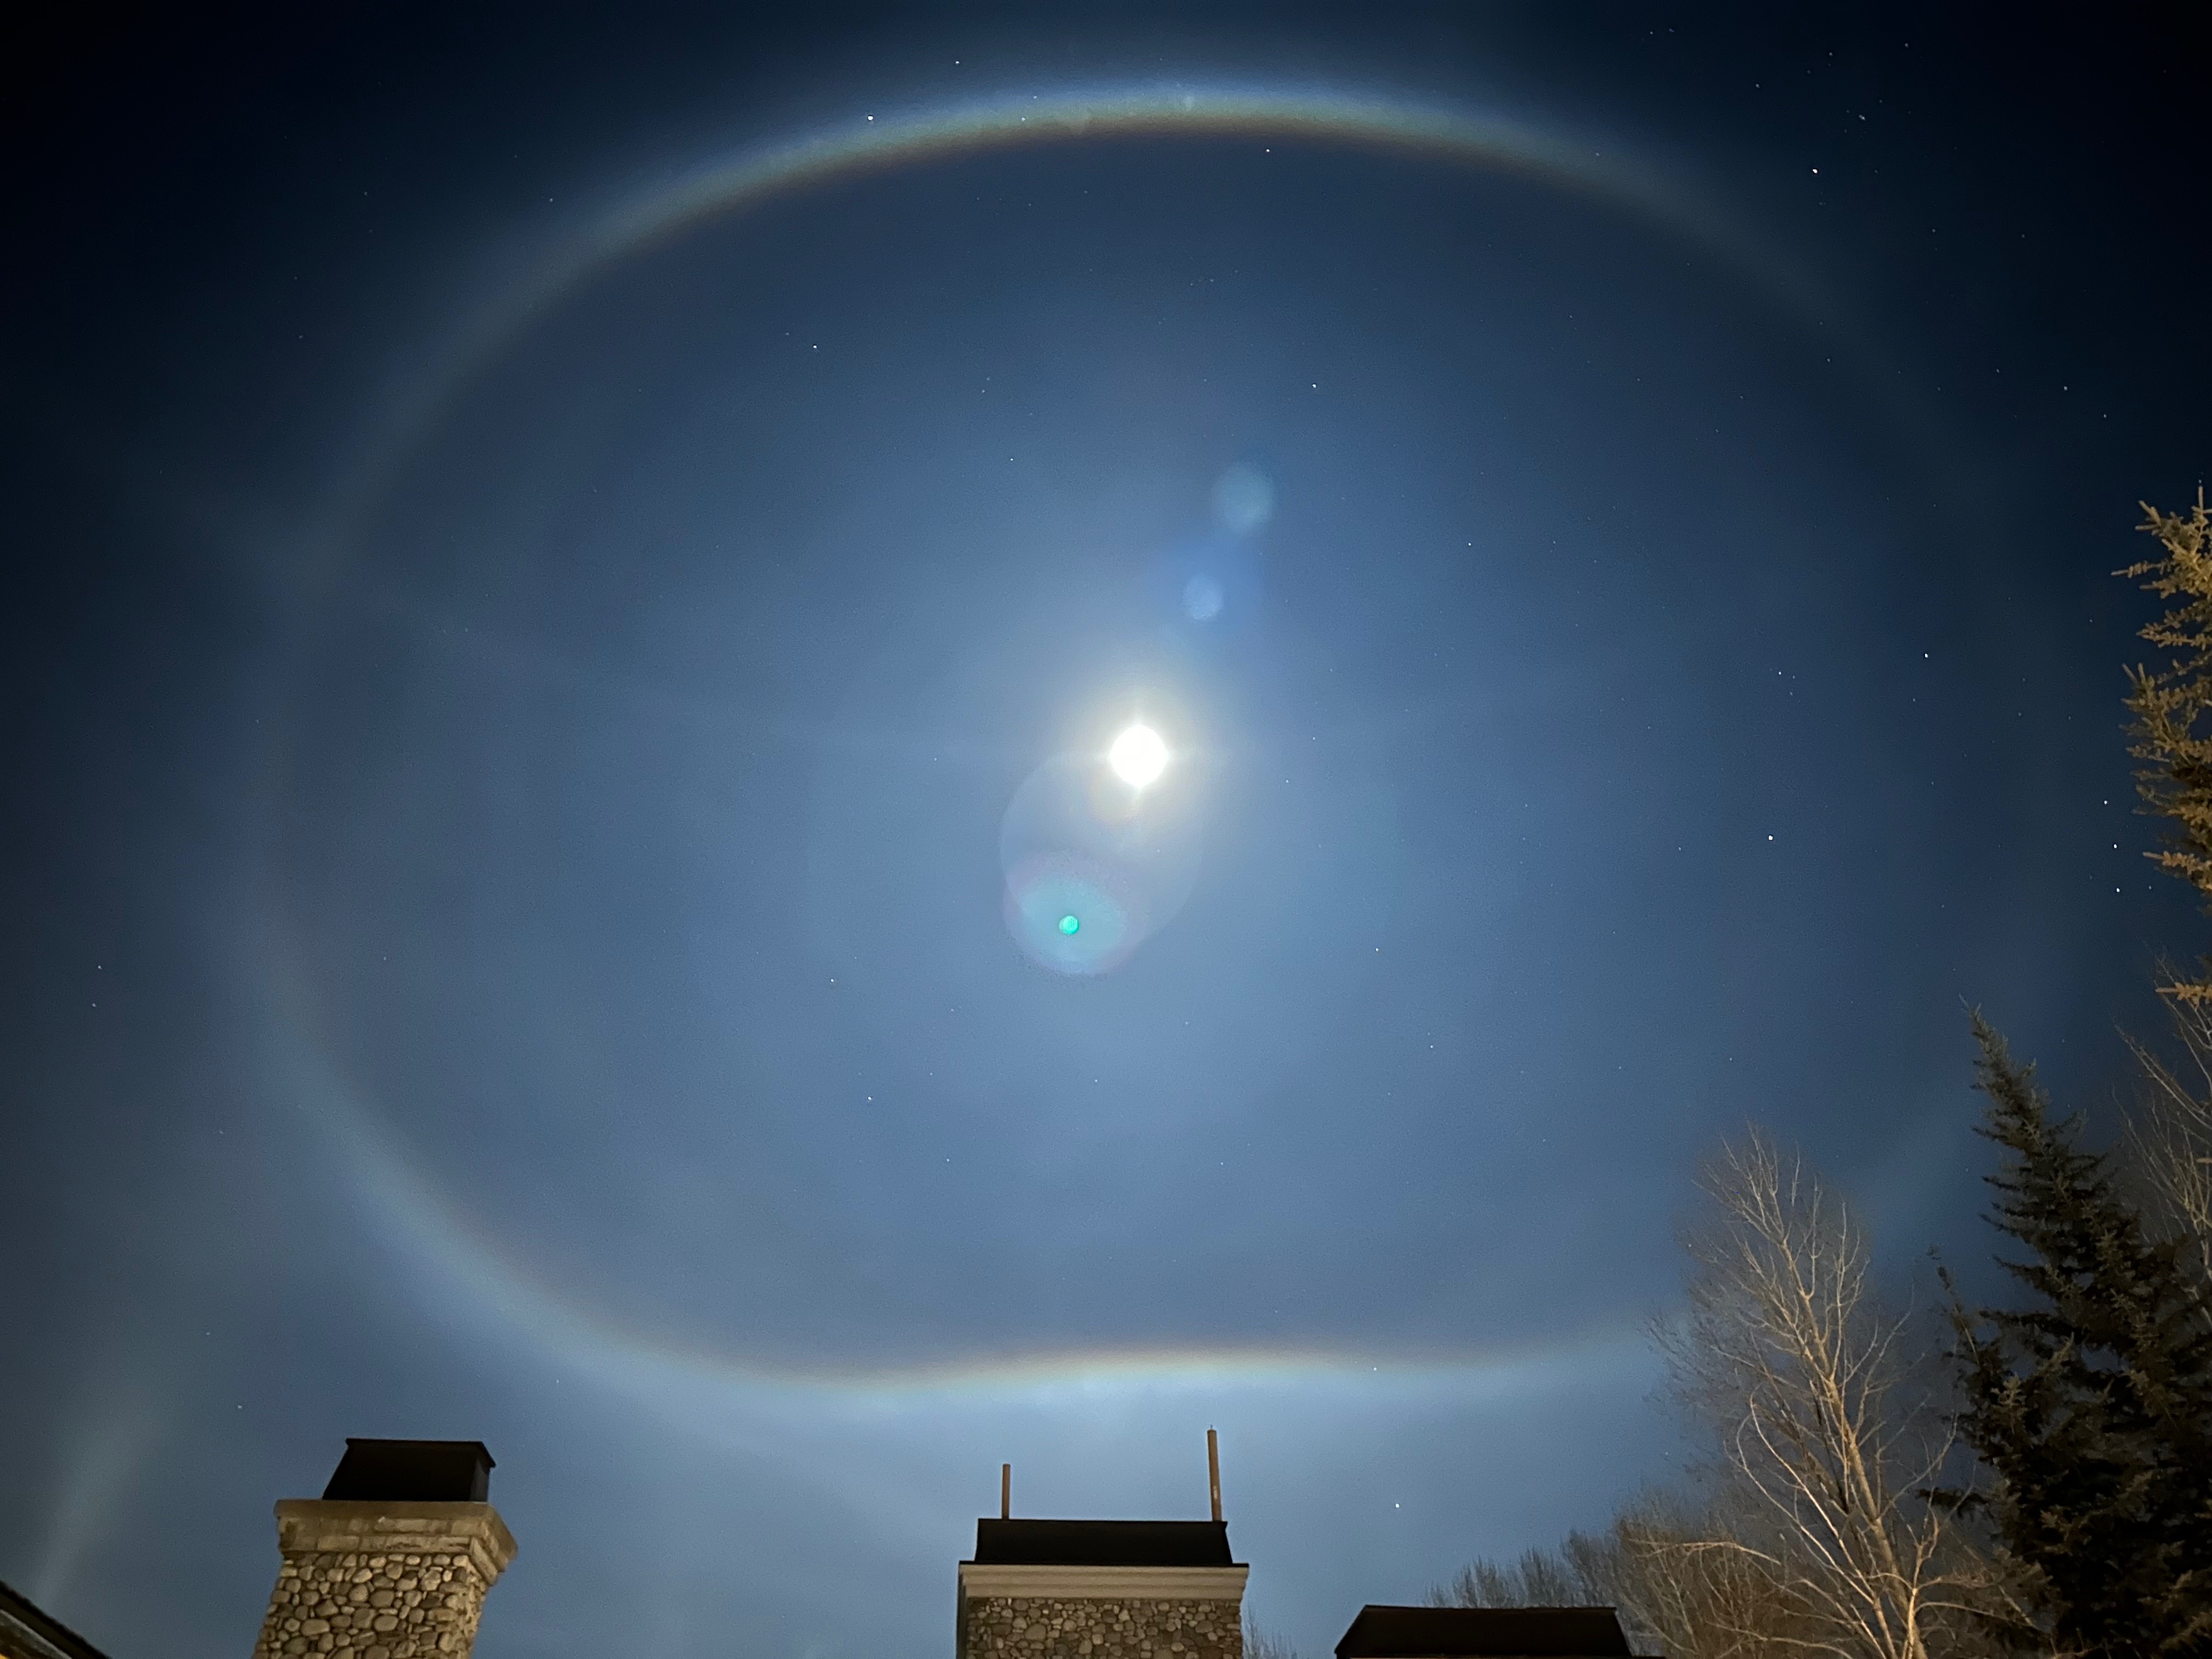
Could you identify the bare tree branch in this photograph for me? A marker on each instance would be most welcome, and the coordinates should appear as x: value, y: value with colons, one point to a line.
x: 2169, y: 1137
x: 1824, y: 1445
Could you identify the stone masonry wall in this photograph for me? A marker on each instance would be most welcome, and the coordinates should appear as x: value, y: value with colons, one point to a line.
x: 374, y: 1605
x: 1049, y: 1627
x: 381, y: 1580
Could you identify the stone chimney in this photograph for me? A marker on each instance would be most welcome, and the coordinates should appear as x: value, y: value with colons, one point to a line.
x: 393, y: 1560
x: 1102, y: 1589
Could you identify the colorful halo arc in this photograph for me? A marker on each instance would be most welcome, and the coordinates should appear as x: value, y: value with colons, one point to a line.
x: 422, y: 1226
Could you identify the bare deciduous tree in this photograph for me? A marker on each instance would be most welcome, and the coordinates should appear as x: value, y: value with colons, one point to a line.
x: 1265, y: 1643
x: 1540, y: 1578
x: 1825, y: 1441
x: 2170, y: 1137
x: 1677, y: 1592
x: 1813, y: 1531
x: 1706, y: 1590
x: 1590, y: 1569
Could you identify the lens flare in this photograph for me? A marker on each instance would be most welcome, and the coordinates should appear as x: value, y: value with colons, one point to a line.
x: 1073, y: 913
x: 1139, y: 755
x: 1244, y: 499
x: 1202, y: 597
x: 1094, y: 867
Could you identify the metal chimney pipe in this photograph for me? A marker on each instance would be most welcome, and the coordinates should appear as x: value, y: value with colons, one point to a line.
x: 1213, y: 1470
x: 1006, y: 1491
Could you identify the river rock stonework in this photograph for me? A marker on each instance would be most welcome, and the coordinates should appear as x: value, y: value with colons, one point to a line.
x: 381, y: 1580
x: 1050, y: 1627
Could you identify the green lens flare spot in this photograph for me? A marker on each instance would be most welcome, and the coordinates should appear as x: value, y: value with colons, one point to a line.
x: 1069, y: 925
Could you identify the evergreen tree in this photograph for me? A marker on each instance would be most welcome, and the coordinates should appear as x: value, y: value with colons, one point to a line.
x: 2171, y: 706
x: 2091, y: 1409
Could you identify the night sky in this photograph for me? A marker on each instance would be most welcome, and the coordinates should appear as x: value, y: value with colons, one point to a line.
x: 570, y: 580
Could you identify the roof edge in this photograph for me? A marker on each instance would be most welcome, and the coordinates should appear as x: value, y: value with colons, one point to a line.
x: 17, y: 1608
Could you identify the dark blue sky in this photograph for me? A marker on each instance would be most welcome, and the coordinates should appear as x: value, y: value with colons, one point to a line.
x: 509, y: 826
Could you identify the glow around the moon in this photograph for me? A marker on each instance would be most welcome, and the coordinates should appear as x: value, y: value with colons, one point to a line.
x: 1139, y: 756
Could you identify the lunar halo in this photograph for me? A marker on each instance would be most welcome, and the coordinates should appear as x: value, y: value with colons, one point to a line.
x: 498, y: 1288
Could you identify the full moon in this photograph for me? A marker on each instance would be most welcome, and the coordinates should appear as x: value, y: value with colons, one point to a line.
x: 1137, y: 756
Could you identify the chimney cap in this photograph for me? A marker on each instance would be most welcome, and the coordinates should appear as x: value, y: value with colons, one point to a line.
x: 412, y: 1471
x: 1101, y: 1544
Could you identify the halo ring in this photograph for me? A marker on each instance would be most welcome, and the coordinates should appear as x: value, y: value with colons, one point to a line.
x: 410, y: 1216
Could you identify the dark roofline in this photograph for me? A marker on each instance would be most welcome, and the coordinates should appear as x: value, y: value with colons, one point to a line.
x: 1383, y: 1631
x: 1034, y: 1543
x: 18, y: 1610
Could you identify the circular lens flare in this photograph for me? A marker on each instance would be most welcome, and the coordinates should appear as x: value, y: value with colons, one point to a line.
x: 1138, y: 757
x: 1094, y: 867
x: 1072, y: 913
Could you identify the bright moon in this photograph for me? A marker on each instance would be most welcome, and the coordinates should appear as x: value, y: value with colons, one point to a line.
x: 1137, y: 756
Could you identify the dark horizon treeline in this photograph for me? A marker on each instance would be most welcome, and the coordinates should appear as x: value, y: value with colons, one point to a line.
x: 2034, y: 1478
